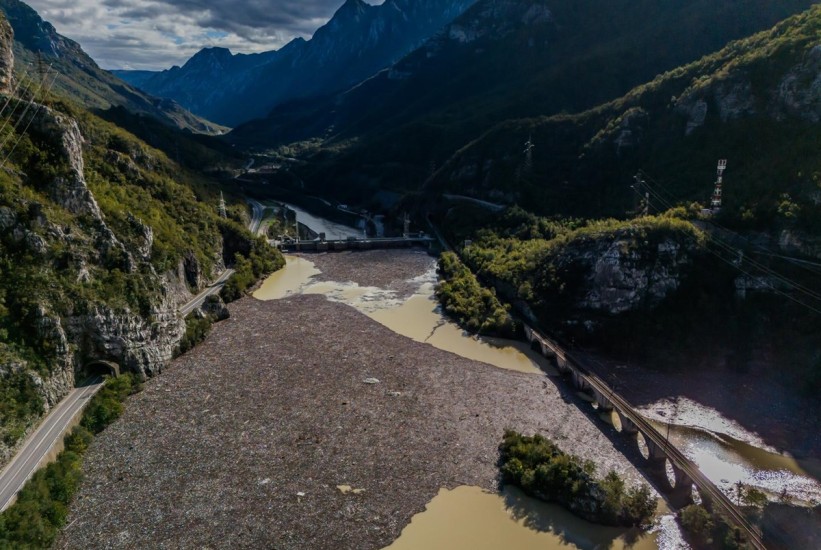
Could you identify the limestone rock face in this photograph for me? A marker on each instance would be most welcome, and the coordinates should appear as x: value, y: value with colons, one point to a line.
x: 622, y: 275
x: 137, y: 344
x: 70, y: 191
x: 799, y: 92
x: 6, y: 56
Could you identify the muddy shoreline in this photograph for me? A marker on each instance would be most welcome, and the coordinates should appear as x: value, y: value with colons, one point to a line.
x: 243, y: 441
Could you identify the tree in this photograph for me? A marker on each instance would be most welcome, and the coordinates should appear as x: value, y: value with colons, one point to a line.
x: 698, y: 522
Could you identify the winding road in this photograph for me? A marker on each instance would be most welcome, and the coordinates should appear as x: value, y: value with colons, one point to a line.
x: 216, y: 286
x: 50, y: 432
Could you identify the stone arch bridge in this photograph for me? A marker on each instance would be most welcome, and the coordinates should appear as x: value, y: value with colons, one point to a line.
x: 660, y: 452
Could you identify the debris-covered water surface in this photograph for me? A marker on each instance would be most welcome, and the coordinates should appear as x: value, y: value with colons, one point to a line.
x: 244, y: 441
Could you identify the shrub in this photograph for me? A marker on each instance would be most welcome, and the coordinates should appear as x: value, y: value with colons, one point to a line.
x: 541, y: 469
x: 462, y: 296
x: 196, y: 330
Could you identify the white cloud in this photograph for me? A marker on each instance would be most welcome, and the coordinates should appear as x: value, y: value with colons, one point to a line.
x: 155, y: 34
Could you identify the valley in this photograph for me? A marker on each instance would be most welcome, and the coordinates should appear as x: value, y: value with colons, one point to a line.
x: 411, y: 274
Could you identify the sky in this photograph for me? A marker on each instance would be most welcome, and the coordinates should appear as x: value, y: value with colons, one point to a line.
x: 156, y: 34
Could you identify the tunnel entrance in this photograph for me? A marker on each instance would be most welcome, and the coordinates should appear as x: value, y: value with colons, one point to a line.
x: 102, y: 368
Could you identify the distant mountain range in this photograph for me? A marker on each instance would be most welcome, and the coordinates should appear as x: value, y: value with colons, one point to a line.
x: 756, y: 103
x: 359, y: 40
x: 36, y: 43
x: 500, y: 60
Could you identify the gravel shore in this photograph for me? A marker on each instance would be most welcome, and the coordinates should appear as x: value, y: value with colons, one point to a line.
x: 243, y: 441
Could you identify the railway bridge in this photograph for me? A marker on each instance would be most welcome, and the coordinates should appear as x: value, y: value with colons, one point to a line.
x: 659, y: 450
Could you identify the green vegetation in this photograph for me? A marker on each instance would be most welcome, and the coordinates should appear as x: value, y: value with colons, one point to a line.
x: 705, y: 530
x: 462, y: 296
x: 19, y: 405
x: 262, y: 260
x: 35, y: 519
x: 538, y: 260
x: 196, y: 330
x: 542, y: 470
x: 59, y: 265
x: 585, y: 168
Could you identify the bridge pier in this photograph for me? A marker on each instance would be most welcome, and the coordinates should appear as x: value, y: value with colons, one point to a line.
x: 656, y: 453
x: 627, y: 425
x: 579, y: 381
x: 684, y: 484
x: 605, y: 405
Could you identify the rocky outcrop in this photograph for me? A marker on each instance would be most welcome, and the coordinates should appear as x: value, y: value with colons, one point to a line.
x: 6, y: 56
x: 70, y: 191
x: 624, y: 277
x: 625, y: 273
x: 61, y: 376
x: 799, y: 92
x: 135, y: 343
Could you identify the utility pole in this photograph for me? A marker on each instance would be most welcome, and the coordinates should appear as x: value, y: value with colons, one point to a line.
x: 718, y: 193
x: 406, y: 226
x: 222, y: 210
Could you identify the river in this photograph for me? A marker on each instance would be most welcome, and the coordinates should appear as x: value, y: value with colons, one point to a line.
x: 318, y: 225
x: 468, y: 517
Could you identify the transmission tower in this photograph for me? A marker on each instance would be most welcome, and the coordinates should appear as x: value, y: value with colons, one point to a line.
x: 529, y: 146
x: 638, y: 186
x: 223, y: 211
x: 717, y: 199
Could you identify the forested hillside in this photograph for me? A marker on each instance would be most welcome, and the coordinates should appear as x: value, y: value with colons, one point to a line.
x: 101, y: 238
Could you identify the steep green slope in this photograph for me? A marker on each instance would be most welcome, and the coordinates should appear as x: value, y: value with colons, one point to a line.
x: 502, y: 58
x: 755, y: 103
x: 101, y: 238
x: 38, y: 46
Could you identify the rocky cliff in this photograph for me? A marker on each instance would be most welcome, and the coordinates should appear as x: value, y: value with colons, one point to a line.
x: 620, y: 273
x: 82, y: 276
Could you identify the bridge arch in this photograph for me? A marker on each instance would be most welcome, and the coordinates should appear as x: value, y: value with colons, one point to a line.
x: 101, y: 367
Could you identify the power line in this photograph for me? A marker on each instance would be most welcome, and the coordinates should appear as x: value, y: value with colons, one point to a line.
x: 13, y: 93
x: 37, y: 112
x: 22, y: 116
x: 16, y: 106
x: 767, y: 270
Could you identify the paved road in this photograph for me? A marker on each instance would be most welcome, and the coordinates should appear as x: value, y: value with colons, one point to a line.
x: 43, y: 440
x: 40, y: 443
x: 254, y: 226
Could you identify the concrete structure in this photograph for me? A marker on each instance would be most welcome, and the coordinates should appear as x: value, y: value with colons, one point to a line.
x: 103, y: 368
x: 660, y: 452
x: 319, y: 245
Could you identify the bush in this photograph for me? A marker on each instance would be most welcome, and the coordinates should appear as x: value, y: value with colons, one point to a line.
x: 196, y: 330
x: 697, y: 522
x: 542, y: 470
x: 262, y: 261
x: 474, y: 307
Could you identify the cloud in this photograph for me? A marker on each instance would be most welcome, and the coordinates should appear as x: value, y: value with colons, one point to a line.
x: 155, y: 34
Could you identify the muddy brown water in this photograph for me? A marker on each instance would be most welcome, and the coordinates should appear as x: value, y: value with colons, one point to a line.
x: 468, y: 517
x: 417, y: 318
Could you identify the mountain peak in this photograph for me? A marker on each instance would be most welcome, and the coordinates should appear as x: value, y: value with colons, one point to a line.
x: 351, y: 8
x: 209, y: 58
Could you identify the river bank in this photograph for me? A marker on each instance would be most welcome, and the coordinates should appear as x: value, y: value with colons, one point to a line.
x: 244, y: 441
